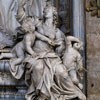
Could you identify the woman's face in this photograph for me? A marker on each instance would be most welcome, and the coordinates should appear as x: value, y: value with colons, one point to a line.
x: 48, y: 12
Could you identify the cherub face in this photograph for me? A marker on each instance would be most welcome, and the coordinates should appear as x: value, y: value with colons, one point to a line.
x: 78, y: 46
x: 28, y: 27
x: 31, y: 28
x: 25, y: 28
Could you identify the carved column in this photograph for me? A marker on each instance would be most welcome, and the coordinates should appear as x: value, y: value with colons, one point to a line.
x: 78, y: 25
x: 78, y: 19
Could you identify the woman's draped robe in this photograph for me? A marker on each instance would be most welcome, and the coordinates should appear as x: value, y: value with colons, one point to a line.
x: 46, y: 80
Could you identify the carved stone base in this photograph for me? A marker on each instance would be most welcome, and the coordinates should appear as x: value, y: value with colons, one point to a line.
x: 12, y: 93
x: 12, y: 97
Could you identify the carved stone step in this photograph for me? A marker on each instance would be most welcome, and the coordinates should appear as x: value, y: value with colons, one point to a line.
x: 12, y: 93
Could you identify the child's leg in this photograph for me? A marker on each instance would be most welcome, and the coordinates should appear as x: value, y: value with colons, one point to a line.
x: 20, y: 56
x: 6, y: 55
x: 17, y: 61
x: 73, y: 75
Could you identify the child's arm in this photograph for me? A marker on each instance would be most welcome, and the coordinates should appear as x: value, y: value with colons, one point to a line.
x: 28, y: 44
x: 70, y: 39
x: 44, y: 38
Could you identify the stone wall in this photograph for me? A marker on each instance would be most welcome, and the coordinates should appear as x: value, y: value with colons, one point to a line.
x: 93, y: 57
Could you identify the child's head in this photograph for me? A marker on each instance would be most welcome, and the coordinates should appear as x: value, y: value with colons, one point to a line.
x: 28, y: 27
x: 29, y: 24
x: 78, y: 46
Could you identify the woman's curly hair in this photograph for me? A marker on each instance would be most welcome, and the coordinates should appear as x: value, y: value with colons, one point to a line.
x: 54, y: 11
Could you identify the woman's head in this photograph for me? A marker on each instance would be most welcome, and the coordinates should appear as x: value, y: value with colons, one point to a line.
x: 50, y: 11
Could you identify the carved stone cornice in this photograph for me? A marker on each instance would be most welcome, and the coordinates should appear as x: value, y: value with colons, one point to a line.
x: 94, y: 7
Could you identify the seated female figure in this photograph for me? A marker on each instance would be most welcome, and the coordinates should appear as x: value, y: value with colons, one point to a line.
x: 46, y: 76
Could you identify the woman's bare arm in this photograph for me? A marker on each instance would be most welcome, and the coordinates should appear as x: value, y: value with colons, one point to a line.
x: 44, y: 38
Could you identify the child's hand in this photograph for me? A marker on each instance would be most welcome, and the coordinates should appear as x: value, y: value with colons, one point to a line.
x: 51, y: 42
